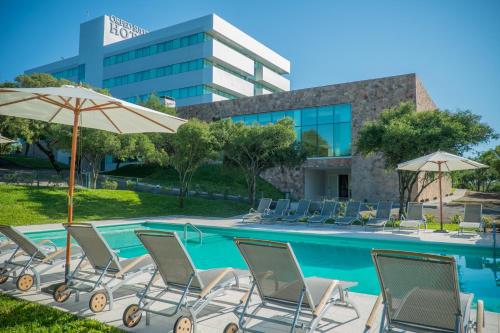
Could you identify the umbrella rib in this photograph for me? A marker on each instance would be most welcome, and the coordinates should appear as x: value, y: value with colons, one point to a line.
x: 56, y: 103
x: 111, y: 121
x: 147, y: 118
x: 55, y: 115
x: 20, y: 100
x: 96, y: 106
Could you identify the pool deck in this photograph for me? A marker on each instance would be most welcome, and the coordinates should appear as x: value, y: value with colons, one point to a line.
x: 217, y: 316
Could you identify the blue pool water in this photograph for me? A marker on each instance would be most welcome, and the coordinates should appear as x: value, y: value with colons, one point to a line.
x: 318, y: 255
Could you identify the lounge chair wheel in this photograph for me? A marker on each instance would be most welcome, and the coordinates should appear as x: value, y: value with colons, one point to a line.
x: 98, y: 301
x: 61, y: 293
x: 183, y: 324
x: 132, y: 316
x: 25, y: 282
x: 3, y: 276
x: 231, y: 328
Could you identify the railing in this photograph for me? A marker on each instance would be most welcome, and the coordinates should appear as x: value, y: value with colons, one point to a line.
x: 200, y: 234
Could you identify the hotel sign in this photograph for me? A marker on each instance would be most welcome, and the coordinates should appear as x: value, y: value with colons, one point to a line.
x: 124, y: 29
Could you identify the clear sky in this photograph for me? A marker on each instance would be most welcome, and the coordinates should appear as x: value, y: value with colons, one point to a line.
x: 452, y: 45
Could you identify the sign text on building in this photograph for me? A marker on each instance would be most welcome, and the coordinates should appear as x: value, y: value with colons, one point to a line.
x: 124, y: 29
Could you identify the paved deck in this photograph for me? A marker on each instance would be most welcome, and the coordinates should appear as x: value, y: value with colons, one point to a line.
x: 217, y: 316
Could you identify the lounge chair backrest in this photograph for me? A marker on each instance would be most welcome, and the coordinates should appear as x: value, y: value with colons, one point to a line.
x: 263, y: 205
x: 352, y: 209
x: 419, y: 290
x: 384, y: 209
x: 275, y: 270
x: 94, y: 246
x: 303, y: 207
x: 22, y: 241
x: 281, y: 206
x: 329, y: 207
x: 473, y: 213
x: 415, y: 211
x: 170, y: 256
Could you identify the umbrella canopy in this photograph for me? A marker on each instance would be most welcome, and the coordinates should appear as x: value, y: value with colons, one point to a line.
x: 79, y: 106
x: 58, y: 105
x: 3, y: 139
x: 440, y: 162
x: 448, y: 162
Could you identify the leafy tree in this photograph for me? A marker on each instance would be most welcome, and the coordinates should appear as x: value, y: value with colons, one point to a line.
x: 154, y: 102
x: 94, y: 145
x: 402, y: 134
x: 256, y: 148
x: 135, y: 147
x: 481, y: 180
x: 189, y: 148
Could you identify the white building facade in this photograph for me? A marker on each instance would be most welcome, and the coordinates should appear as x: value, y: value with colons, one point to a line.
x: 199, y: 61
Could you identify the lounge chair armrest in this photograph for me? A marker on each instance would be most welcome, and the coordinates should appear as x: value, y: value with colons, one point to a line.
x: 215, y: 281
x: 373, y: 313
x: 57, y: 252
x: 47, y: 242
x: 130, y: 265
x: 325, y: 298
x: 252, y: 210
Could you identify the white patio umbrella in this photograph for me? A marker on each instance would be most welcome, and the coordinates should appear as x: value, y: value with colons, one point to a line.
x: 3, y: 139
x: 440, y: 162
x: 78, y: 106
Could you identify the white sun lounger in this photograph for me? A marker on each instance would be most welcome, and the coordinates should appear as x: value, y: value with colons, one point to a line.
x: 473, y: 218
x: 383, y: 215
x: 414, y: 217
x: 254, y: 215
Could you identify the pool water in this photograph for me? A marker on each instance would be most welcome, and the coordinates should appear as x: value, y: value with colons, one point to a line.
x: 318, y: 255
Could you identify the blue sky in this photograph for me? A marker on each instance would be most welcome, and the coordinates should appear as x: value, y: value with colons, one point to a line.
x: 452, y: 45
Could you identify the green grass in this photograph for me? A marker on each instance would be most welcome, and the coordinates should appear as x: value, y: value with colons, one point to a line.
x: 30, y: 162
x: 22, y: 205
x: 208, y: 178
x: 21, y: 316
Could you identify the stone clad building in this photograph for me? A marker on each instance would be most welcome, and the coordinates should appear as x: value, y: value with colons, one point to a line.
x: 328, y: 119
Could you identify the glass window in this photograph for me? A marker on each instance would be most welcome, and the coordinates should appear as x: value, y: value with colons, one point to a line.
x: 297, y: 134
x: 309, y: 137
x: 250, y: 119
x: 192, y: 91
x: 325, y: 115
x: 276, y: 116
x: 176, y: 68
x: 184, y: 41
x: 342, y: 139
x: 184, y: 67
x: 176, y: 43
x: 264, y: 118
x: 342, y: 113
x: 325, y: 140
x: 309, y: 116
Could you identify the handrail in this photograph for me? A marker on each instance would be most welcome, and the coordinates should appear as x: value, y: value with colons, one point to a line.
x: 195, y: 228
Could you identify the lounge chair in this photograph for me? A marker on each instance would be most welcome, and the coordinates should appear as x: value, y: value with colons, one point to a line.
x: 28, y: 261
x: 327, y: 212
x: 473, y: 218
x: 278, y: 212
x: 180, y: 276
x: 255, y: 215
x: 420, y: 293
x: 414, y: 217
x: 281, y: 286
x: 382, y: 216
x: 301, y: 211
x: 108, y: 272
x: 351, y: 214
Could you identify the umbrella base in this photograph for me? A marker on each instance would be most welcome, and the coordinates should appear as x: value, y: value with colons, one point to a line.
x: 439, y: 231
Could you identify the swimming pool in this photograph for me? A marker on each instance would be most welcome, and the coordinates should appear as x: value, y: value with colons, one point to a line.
x: 319, y: 255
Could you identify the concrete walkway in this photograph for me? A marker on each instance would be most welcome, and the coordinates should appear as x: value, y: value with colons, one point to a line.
x: 217, y: 316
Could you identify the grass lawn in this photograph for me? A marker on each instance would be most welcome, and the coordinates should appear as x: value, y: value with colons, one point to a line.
x: 21, y: 316
x: 22, y: 205
x: 208, y: 178
x: 30, y: 162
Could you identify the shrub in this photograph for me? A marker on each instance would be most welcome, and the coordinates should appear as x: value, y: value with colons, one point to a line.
x: 130, y: 184
x: 430, y: 218
x: 109, y: 185
x: 455, y: 219
x: 488, y: 221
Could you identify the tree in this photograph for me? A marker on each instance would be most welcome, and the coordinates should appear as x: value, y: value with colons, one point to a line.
x: 256, y: 148
x: 402, y: 134
x: 94, y: 145
x: 154, y: 102
x: 481, y: 180
x: 135, y: 147
x: 192, y: 145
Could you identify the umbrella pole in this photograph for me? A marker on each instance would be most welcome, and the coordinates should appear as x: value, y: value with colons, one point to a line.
x: 71, y: 186
x: 440, y: 174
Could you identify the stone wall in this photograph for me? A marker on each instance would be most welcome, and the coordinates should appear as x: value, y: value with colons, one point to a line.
x: 368, y: 98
